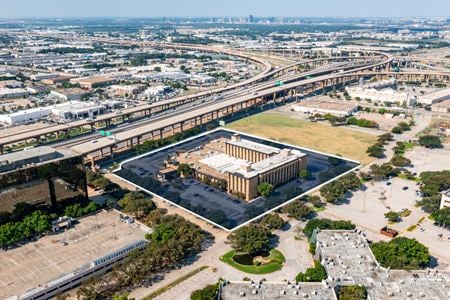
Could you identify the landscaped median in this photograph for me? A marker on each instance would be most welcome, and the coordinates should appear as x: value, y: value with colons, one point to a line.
x: 262, y: 262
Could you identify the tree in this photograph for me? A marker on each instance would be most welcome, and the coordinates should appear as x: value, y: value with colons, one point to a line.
x: 296, y: 209
x: 316, y: 201
x: 401, y: 253
x: 89, y: 291
x: 272, y: 222
x: 250, y: 238
x: 155, y: 216
x: 352, y: 292
x: 315, y: 274
x: 304, y: 174
x: 137, y: 204
x: 442, y: 216
x: 392, y: 216
x: 185, y: 170
x: 400, y: 161
x: 430, y: 141
x: 434, y: 182
x: 385, y: 137
x: 208, y: 293
x: 162, y: 233
x: 101, y: 182
x: 381, y: 172
x: 376, y: 150
x: 430, y: 204
x: 265, y: 189
x: 333, y: 192
x: 121, y: 297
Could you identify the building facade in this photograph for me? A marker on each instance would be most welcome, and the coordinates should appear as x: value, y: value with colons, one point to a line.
x: 239, y: 166
x: 41, y: 176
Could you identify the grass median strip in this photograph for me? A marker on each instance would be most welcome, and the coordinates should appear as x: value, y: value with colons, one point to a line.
x: 174, y: 283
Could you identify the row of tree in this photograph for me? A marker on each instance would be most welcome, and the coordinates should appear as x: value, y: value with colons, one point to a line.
x: 335, y: 191
x: 173, y: 240
x: 36, y: 223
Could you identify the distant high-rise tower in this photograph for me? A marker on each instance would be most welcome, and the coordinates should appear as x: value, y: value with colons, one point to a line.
x: 251, y: 19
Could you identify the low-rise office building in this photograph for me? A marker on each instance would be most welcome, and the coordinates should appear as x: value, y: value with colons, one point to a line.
x: 244, y: 164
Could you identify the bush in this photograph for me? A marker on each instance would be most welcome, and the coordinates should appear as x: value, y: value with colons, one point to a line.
x: 430, y: 141
x: 326, y: 224
x: 352, y: 292
x: 76, y: 210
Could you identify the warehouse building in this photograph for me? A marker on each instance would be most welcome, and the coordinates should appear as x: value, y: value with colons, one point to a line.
x: 69, y: 94
x: 326, y: 106
x: 93, y: 81
x: 435, y: 97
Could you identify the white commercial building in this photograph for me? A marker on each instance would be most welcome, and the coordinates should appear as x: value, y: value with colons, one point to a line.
x: 386, y: 95
x: 435, y: 97
x: 155, y: 91
x: 13, y: 93
x: 66, y: 111
x: 445, y: 199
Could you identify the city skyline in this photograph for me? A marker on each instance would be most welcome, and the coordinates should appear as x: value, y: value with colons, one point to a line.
x: 202, y: 8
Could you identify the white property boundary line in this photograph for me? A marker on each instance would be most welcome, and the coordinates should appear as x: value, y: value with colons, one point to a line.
x: 253, y: 136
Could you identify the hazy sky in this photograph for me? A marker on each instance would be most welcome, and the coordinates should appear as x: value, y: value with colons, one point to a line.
x: 153, y: 8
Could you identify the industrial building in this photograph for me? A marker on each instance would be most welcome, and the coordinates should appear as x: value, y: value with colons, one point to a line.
x: 326, y: 106
x: 69, y: 94
x: 93, y: 81
x: 385, y: 95
x: 40, y: 176
x: 435, y: 97
x: 244, y: 164
x: 13, y: 93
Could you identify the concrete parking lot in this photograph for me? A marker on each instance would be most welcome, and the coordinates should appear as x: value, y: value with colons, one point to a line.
x: 38, y: 262
x: 216, y: 205
x: 366, y: 209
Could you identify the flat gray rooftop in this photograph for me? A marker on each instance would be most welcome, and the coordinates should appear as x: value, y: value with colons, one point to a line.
x: 39, y: 262
x: 348, y: 259
x: 27, y: 154
x: 285, y: 291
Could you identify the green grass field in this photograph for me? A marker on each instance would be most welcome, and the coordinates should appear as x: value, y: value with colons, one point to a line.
x: 276, y: 263
x: 322, y: 137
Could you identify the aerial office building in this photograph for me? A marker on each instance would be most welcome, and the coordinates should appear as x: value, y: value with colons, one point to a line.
x: 244, y: 164
x: 41, y: 176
